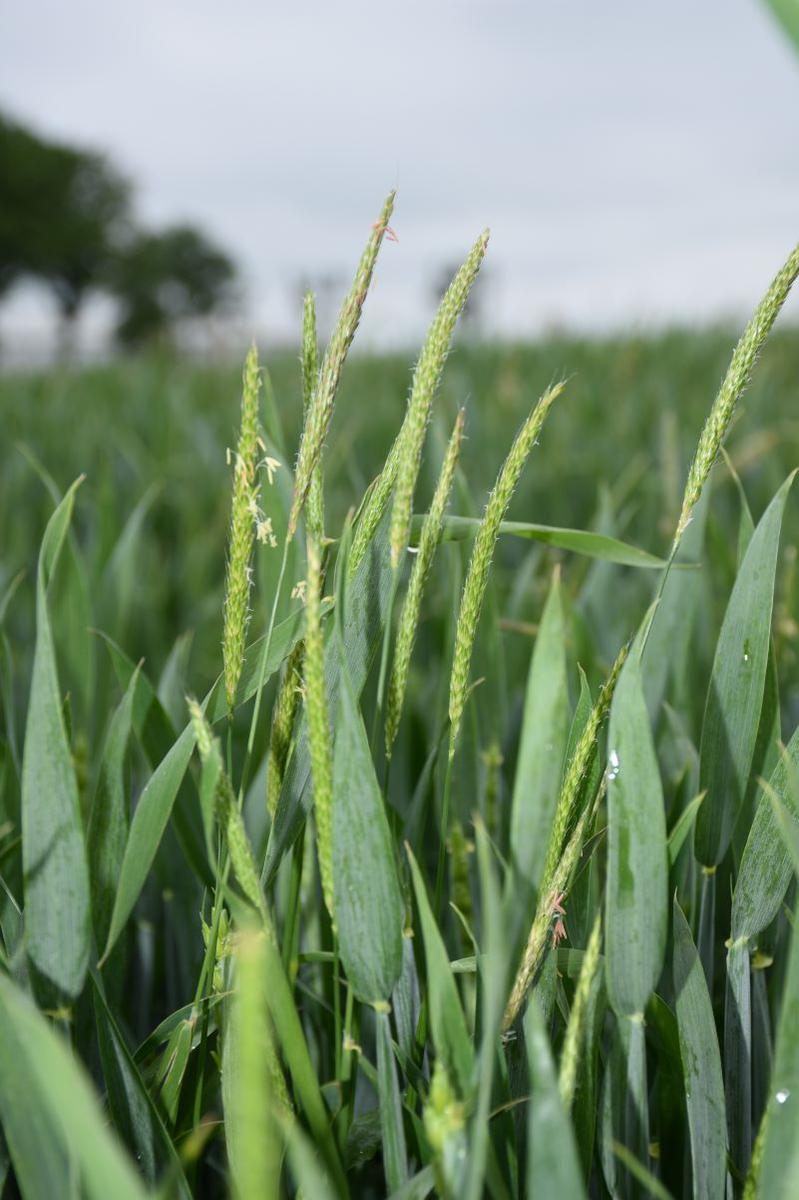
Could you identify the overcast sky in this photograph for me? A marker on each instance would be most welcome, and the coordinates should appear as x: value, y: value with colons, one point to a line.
x: 637, y: 163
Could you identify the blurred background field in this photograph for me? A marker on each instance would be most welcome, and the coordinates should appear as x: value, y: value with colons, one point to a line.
x: 150, y: 436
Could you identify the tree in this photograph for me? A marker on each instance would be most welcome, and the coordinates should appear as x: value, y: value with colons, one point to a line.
x: 22, y: 201
x: 62, y: 214
x: 161, y: 279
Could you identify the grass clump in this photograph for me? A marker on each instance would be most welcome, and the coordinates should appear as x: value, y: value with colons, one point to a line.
x: 265, y: 1021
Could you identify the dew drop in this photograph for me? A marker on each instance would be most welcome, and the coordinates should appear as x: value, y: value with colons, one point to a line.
x: 782, y: 1095
x: 746, y: 651
x: 614, y: 766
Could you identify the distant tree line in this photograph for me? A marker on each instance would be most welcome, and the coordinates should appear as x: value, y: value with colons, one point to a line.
x: 66, y: 220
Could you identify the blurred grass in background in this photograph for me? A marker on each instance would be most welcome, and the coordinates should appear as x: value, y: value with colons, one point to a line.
x: 149, y: 435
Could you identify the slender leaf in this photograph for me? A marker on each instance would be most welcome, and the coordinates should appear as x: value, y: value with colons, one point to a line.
x: 779, y: 1170
x: 447, y: 1023
x: 579, y: 541
x: 545, y: 729
x: 636, y: 896
x: 48, y: 1106
x: 108, y: 821
x: 735, y: 693
x: 57, y: 909
x: 135, y: 1115
x: 704, y: 1088
x: 766, y: 869
x: 368, y: 905
x: 395, y: 1163
x: 553, y: 1168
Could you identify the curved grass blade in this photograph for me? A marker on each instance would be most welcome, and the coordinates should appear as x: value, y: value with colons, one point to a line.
x: 699, y: 1049
x: 579, y: 541
x: 254, y: 1149
x: 682, y: 827
x: 108, y: 820
x: 553, y: 1167
x: 156, y: 801
x: 636, y: 894
x: 779, y: 1167
x: 545, y: 730
x: 448, y: 1026
x: 146, y: 830
x: 766, y: 870
x: 135, y: 1115
x: 395, y: 1161
x: 786, y: 823
x: 46, y: 1101
x: 735, y: 693
x: 56, y: 873
x: 368, y: 904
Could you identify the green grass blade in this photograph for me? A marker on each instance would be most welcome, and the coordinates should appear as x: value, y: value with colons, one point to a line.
x: 108, y: 820
x: 395, y: 1161
x: 146, y: 830
x: 779, y: 1170
x: 682, y: 827
x: 787, y: 824
x: 368, y: 905
x: 157, y: 800
x: 251, y: 1133
x: 134, y: 1113
x: 494, y: 961
x: 738, y: 1053
x: 766, y: 869
x: 46, y: 1100
x: 735, y: 693
x: 57, y: 904
x: 651, y: 1184
x: 545, y: 730
x: 704, y: 1088
x: 292, y: 1039
x: 447, y: 1023
x: 579, y: 541
x: 636, y: 895
x: 553, y: 1168
x: 306, y: 1168
x: 787, y: 13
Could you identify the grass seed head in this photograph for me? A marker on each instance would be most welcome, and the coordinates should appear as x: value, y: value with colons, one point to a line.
x: 577, y: 769
x: 426, y: 378
x: 320, y: 410
x: 319, y: 724
x: 229, y: 817
x: 480, y: 563
x: 310, y: 376
x: 735, y: 381
x: 409, y: 617
x: 238, y: 580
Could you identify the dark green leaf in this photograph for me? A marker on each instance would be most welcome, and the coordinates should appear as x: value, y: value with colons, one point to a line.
x: 704, y: 1088
x: 57, y: 912
x: 735, y: 693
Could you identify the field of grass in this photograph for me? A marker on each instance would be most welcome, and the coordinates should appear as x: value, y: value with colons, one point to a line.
x: 542, y: 947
